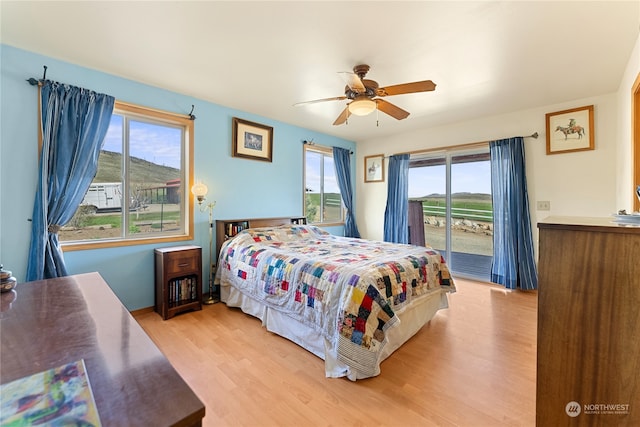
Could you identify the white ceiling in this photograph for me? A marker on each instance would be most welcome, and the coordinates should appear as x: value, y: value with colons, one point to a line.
x: 262, y: 57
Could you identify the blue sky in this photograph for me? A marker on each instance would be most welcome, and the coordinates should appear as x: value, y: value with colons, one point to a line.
x: 154, y: 143
x: 474, y: 177
x: 312, y: 171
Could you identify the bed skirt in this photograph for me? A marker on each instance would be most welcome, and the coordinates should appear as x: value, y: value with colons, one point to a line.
x: 412, y: 319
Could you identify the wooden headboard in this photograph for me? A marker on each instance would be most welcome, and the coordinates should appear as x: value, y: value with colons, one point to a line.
x: 226, y: 228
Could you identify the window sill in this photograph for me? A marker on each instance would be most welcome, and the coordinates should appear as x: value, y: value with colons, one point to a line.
x: 81, y: 246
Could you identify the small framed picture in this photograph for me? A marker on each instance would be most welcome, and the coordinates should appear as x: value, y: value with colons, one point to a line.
x: 570, y: 130
x: 374, y: 168
x: 252, y: 140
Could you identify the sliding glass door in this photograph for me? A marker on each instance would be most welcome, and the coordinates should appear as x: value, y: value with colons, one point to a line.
x: 455, y: 191
x: 428, y: 184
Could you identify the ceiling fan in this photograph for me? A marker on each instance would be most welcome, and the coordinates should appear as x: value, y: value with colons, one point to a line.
x: 366, y: 95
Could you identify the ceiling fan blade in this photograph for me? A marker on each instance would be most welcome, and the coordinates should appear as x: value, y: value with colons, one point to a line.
x: 423, y: 86
x: 336, y: 98
x: 392, y: 110
x: 353, y: 81
x: 342, y: 118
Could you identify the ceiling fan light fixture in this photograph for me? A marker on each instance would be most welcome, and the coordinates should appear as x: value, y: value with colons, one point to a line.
x: 362, y: 106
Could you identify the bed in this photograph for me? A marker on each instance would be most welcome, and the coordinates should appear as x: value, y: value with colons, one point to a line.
x: 351, y: 302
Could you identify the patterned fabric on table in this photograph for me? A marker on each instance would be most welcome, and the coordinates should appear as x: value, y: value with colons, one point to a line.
x: 346, y: 289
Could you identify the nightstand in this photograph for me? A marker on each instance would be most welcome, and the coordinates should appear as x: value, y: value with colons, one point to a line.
x: 178, y: 280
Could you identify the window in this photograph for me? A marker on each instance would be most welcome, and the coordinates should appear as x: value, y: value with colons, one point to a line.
x: 140, y: 191
x: 322, y: 198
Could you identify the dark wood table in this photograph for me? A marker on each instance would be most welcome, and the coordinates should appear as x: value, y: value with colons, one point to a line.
x: 48, y: 323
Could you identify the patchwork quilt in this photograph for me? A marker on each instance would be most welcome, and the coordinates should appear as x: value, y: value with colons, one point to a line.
x: 348, y: 290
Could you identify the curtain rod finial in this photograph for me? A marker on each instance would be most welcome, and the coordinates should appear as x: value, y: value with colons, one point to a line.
x: 34, y: 82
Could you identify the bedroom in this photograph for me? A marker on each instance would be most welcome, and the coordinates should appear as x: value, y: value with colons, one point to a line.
x: 567, y: 181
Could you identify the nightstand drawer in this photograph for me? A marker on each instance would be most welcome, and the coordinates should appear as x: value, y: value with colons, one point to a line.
x: 184, y: 262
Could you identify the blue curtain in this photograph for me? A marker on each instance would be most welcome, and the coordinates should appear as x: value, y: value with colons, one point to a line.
x: 74, y: 124
x: 396, y: 222
x: 513, y: 256
x: 342, y: 162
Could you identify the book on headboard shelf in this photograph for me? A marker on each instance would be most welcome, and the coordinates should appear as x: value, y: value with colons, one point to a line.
x: 233, y: 228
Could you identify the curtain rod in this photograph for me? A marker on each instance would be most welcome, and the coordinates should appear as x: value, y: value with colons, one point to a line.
x: 310, y: 142
x: 35, y: 82
x: 468, y: 145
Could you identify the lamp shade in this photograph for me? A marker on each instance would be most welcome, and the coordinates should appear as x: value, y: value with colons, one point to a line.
x: 361, y: 106
x: 199, y: 190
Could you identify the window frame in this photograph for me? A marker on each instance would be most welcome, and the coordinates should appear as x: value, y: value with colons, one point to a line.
x: 145, y: 114
x: 635, y: 143
x: 324, y: 151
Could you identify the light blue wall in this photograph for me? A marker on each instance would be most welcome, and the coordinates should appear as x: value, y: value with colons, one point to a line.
x: 241, y: 188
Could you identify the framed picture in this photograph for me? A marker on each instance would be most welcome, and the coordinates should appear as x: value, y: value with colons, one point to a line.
x: 374, y: 168
x: 252, y: 140
x: 570, y: 130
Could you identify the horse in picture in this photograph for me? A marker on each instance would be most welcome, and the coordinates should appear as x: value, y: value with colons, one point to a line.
x: 570, y: 130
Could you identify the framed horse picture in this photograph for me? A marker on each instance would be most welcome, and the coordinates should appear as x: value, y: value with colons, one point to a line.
x: 570, y: 130
x: 374, y: 168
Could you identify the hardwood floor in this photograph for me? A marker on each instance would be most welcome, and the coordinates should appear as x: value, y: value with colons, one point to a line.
x: 474, y: 364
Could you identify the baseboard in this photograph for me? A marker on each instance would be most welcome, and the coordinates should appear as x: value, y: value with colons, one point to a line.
x: 141, y: 311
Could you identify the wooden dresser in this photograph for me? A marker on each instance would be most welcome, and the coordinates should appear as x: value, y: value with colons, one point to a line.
x: 588, y: 366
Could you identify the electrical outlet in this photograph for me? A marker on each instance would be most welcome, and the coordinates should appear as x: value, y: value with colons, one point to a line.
x: 543, y: 205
